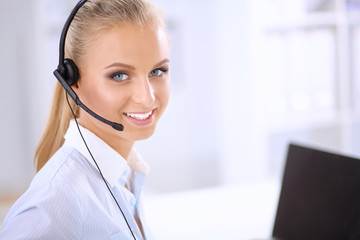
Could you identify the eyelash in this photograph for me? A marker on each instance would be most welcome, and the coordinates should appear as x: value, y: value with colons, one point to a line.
x: 163, y: 71
x: 112, y: 76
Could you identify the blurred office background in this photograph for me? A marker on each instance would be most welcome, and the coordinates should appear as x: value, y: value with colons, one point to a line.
x: 248, y: 77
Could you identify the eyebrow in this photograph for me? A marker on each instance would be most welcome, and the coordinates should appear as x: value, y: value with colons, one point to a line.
x: 162, y: 62
x: 118, y: 64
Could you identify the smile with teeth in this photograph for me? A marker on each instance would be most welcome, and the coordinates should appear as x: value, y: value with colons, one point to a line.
x: 139, y: 116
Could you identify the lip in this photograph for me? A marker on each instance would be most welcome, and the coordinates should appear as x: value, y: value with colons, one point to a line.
x: 140, y: 122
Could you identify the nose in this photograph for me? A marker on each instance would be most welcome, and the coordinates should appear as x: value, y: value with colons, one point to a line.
x: 144, y: 93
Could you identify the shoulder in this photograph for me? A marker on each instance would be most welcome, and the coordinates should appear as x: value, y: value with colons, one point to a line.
x: 64, y: 162
x: 67, y: 168
x: 53, y: 198
x: 66, y: 173
x: 51, y: 212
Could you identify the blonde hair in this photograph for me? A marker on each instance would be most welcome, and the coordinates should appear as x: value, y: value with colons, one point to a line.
x: 92, y: 18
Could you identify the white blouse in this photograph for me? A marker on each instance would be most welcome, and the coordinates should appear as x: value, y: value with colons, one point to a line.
x: 68, y: 199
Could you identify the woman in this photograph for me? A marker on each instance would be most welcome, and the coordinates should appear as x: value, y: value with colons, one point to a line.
x: 90, y: 178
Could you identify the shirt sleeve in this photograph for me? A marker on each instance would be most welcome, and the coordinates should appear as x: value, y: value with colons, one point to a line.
x: 52, y: 212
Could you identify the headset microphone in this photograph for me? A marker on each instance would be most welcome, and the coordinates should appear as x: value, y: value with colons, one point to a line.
x: 67, y: 73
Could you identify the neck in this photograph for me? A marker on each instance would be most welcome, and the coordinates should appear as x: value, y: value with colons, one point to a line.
x: 122, y: 147
x: 107, y: 134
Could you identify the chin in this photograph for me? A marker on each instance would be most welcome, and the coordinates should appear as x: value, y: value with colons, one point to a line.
x: 140, y: 134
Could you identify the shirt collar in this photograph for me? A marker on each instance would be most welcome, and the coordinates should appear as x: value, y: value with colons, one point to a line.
x: 112, y: 165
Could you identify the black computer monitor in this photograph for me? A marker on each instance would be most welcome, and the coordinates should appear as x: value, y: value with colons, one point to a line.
x: 320, y: 196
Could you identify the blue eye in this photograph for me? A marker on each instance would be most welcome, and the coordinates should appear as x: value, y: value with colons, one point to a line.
x: 119, y: 76
x: 157, y: 72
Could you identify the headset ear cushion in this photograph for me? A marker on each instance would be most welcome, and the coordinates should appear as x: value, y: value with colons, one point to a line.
x: 72, y: 72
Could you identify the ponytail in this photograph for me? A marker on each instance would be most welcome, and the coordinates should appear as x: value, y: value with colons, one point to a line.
x: 58, y: 123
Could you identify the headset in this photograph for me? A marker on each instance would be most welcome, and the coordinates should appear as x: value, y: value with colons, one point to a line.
x: 67, y: 74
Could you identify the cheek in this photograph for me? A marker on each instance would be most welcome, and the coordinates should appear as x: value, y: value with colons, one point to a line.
x: 103, y: 98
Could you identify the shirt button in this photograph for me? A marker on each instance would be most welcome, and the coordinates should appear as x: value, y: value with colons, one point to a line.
x: 126, y: 172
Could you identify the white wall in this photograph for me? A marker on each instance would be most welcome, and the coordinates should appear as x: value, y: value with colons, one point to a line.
x: 240, y: 159
x: 16, y: 67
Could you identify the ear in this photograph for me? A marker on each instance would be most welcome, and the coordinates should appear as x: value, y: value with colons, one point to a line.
x: 76, y: 87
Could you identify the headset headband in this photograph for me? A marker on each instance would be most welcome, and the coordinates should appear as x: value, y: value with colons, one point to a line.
x: 61, y: 66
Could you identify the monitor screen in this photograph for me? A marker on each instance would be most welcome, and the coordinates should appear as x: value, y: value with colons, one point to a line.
x: 320, y: 196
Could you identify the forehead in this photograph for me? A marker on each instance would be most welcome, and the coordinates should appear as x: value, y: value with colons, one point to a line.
x: 129, y: 44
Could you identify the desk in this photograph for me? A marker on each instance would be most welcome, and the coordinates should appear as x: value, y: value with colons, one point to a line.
x: 232, y: 212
